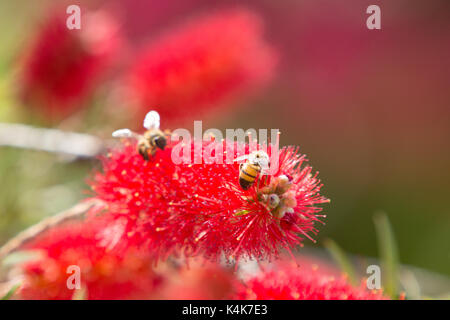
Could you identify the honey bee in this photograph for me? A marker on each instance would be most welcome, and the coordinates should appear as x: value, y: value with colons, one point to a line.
x: 151, y: 140
x: 256, y: 162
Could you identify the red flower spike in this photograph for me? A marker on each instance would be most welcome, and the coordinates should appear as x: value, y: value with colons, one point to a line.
x: 124, y: 273
x: 201, y: 208
x: 62, y: 66
x: 288, y: 281
x: 196, y: 67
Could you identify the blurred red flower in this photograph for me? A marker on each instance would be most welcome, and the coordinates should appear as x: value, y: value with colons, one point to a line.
x: 285, y: 280
x: 197, y: 280
x: 194, y: 68
x: 201, y: 208
x: 124, y: 273
x: 62, y: 66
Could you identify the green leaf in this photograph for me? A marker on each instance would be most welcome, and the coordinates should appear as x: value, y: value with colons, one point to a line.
x: 388, y: 252
x: 341, y: 259
x: 11, y: 292
x: 241, y: 213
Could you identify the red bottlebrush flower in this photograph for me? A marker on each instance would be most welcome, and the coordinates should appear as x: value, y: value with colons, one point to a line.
x: 62, y: 66
x: 199, y: 65
x: 289, y: 281
x: 201, y: 208
x: 124, y: 273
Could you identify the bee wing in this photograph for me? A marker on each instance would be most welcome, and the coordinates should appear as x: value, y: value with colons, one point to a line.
x: 263, y: 162
x: 151, y: 120
x: 123, y: 133
x: 258, y: 157
x: 244, y: 157
x: 265, y: 169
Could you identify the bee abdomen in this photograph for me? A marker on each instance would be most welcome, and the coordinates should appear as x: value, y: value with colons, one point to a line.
x: 245, y: 184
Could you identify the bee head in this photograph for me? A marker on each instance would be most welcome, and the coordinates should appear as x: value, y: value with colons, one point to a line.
x: 260, y: 158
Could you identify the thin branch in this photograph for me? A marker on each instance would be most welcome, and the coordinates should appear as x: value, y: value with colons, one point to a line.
x: 32, y: 232
x: 50, y: 140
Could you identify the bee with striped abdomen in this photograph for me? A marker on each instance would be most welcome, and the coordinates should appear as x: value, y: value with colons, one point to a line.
x: 151, y: 140
x: 256, y: 162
